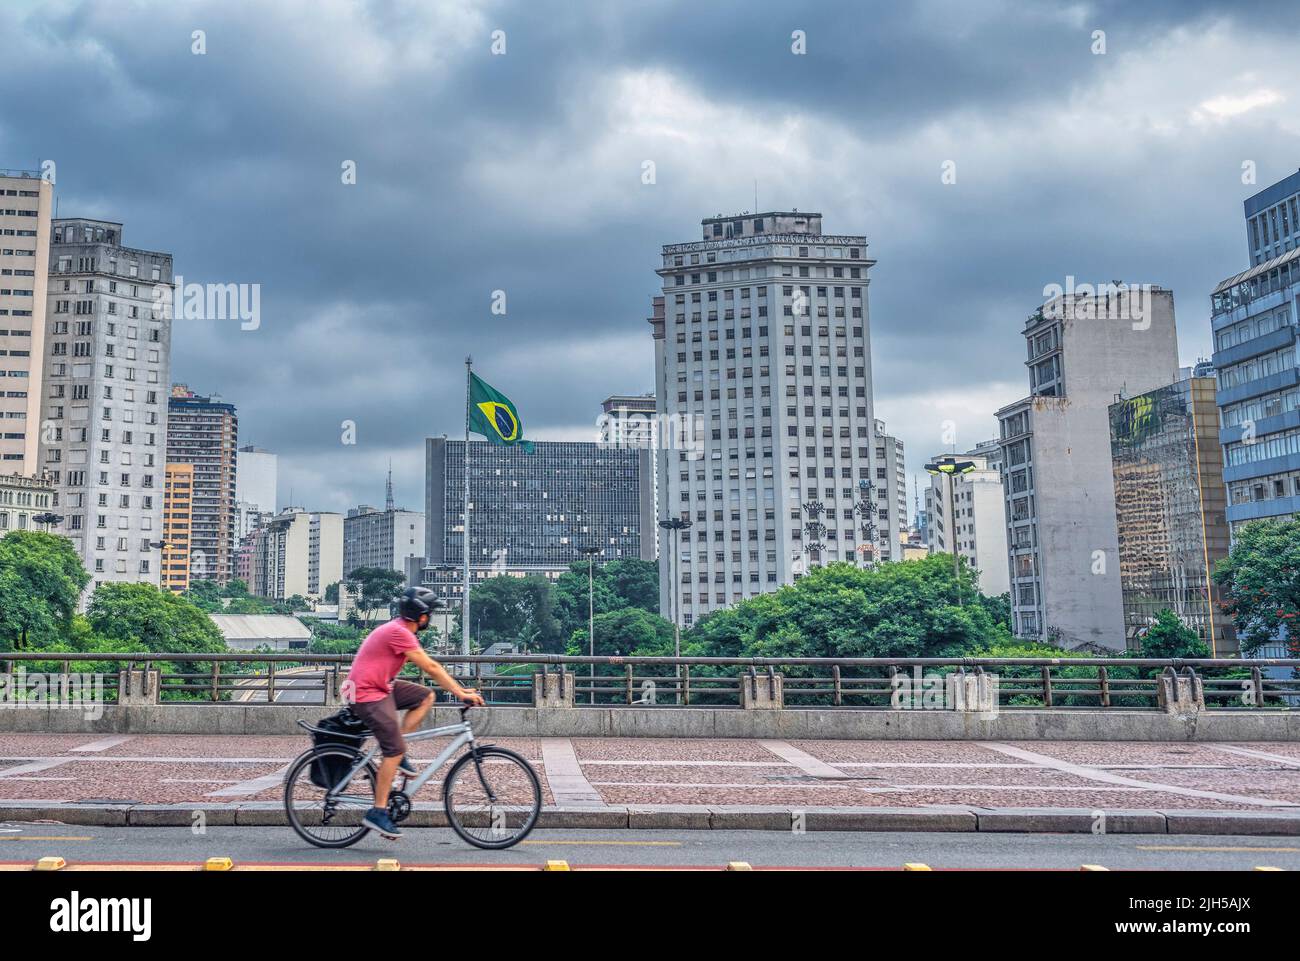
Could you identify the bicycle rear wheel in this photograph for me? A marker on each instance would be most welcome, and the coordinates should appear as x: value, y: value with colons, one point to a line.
x: 325, y: 822
x: 492, y: 797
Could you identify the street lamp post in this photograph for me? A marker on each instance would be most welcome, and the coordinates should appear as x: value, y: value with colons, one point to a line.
x: 951, y: 467
x: 675, y: 524
x: 48, y: 519
x: 591, y: 553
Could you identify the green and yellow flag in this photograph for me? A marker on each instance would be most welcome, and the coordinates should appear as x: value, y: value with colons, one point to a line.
x: 493, y: 415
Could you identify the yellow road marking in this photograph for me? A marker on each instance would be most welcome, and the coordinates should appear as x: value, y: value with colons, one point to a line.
x: 1174, y: 847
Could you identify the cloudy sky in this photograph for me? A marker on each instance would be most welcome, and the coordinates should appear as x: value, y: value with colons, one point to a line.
x: 522, y: 172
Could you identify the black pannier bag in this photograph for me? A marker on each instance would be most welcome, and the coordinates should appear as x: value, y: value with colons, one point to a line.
x: 345, y: 729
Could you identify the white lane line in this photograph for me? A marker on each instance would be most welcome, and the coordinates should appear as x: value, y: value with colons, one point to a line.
x: 804, y: 761
x: 1257, y: 755
x: 569, y: 786
x: 1093, y: 774
x: 35, y: 766
x: 252, y: 785
x: 105, y: 743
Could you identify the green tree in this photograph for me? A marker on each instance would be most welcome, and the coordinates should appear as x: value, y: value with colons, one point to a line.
x: 152, y: 620
x: 235, y: 588
x: 515, y: 610
x: 618, y: 585
x: 1260, y: 583
x: 904, y: 609
x: 41, y: 579
x: 1170, y: 637
x: 332, y: 593
x: 631, y: 632
x: 206, y: 595
x: 374, y: 588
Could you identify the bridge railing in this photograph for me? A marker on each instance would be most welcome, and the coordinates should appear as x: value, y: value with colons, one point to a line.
x: 1111, y: 683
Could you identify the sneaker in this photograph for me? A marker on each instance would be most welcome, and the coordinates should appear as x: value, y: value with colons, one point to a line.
x: 377, y: 819
x: 406, y: 767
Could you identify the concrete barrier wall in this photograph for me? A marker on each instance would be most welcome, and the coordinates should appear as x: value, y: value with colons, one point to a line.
x: 834, y: 724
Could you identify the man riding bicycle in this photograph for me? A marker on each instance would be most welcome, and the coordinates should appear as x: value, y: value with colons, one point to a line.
x: 377, y: 696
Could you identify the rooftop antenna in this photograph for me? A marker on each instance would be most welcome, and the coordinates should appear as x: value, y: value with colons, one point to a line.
x: 388, y: 491
x: 755, y: 195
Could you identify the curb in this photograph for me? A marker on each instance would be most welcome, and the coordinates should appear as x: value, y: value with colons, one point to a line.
x: 720, y: 817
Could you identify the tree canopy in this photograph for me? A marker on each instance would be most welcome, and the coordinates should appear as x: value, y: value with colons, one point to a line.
x: 41, y: 579
x: 1260, y: 583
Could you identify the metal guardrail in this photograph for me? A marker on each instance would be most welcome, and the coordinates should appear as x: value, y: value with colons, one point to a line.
x: 854, y: 682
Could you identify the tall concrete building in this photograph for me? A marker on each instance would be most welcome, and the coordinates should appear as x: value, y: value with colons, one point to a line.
x: 204, y: 431
x: 763, y: 339
x: 532, y: 513
x: 298, y: 552
x: 631, y: 421
x: 891, y: 494
x: 1085, y: 347
x: 25, y: 202
x: 389, y: 538
x: 1255, y: 316
x: 968, y: 510
x: 107, y: 364
x: 178, y: 494
x: 1170, y: 502
x: 256, y: 478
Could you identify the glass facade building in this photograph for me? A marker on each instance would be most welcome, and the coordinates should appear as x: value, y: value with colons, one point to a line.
x: 1170, y: 506
x: 1254, y: 317
x: 533, y: 513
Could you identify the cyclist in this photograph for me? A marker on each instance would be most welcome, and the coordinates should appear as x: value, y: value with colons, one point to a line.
x: 377, y: 696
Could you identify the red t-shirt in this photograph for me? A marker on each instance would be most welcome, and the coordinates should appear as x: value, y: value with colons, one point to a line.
x: 379, y: 660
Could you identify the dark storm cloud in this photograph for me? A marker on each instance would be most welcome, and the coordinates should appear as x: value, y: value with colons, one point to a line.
x: 520, y: 173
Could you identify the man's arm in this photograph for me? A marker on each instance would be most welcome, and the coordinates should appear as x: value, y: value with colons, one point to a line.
x: 424, y: 662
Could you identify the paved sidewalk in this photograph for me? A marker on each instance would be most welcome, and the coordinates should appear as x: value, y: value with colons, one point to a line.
x: 643, y: 782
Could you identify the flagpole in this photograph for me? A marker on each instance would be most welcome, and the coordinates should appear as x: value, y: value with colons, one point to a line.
x: 464, y: 611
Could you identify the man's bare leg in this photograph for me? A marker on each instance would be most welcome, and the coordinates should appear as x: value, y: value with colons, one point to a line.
x: 416, y: 715
x: 384, y: 779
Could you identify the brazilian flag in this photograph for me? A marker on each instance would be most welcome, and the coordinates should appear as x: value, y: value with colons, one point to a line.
x: 493, y: 415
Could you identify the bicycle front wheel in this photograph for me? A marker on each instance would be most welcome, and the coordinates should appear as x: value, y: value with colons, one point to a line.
x: 492, y: 797
x: 329, y: 822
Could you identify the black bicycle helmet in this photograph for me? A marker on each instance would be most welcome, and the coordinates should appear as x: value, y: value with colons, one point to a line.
x: 416, y: 601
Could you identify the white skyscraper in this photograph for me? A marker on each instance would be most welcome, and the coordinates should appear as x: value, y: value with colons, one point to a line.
x: 256, y: 476
x: 762, y: 343
x: 107, y: 368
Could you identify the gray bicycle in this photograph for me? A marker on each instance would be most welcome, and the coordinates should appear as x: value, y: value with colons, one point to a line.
x: 491, y: 795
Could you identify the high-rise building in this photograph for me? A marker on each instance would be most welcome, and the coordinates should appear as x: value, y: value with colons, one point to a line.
x: 204, y: 431
x: 630, y: 421
x: 979, y: 528
x: 297, y: 552
x: 532, y: 513
x: 107, y: 366
x: 1255, y: 316
x: 387, y: 538
x: 1084, y: 347
x: 1273, y: 220
x: 178, y: 493
x: 1169, y: 503
x: 25, y: 201
x: 762, y: 338
x: 256, y: 477
x: 891, y: 494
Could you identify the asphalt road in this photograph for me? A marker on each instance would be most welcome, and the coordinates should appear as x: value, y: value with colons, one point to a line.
x: 26, y: 842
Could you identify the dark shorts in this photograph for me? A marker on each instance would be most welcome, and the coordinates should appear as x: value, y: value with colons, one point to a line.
x: 381, y: 716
